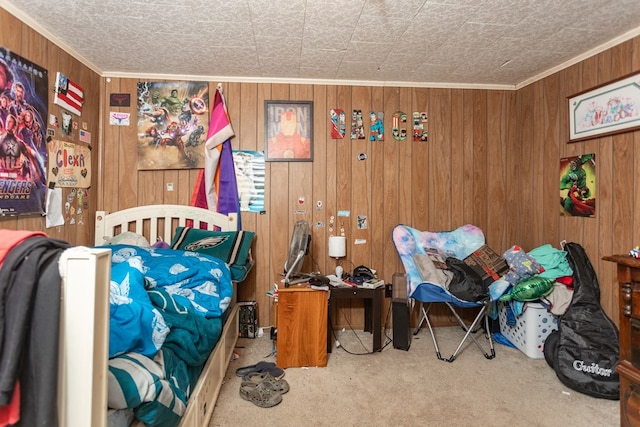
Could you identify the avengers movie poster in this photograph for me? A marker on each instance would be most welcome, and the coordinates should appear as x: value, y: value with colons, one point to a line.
x: 578, y: 185
x: 173, y: 121
x: 23, y: 148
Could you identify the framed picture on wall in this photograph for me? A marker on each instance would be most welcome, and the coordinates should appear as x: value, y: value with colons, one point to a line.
x: 606, y: 109
x: 288, y: 131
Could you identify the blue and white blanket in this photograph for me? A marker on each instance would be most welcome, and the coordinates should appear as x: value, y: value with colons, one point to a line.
x: 198, y: 279
x: 194, y: 280
x: 166, y: 308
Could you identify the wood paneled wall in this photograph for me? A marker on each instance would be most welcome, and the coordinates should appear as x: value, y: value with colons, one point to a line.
x: 492, y: 159
x: 24, y: 41
x: 461, y: 175
x: 542, y: 134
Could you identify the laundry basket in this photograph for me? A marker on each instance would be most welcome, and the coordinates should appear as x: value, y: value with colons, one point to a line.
x: 532, y: 328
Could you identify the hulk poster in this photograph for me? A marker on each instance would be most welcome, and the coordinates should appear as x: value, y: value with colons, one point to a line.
x: 578, y: 185
x: 173, y: 122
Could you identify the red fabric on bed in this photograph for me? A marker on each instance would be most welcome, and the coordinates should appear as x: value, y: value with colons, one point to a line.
x: 10, y: 414
x: 12, y: 238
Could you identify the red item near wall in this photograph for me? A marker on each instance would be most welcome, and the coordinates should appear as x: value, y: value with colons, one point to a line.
x: 10, y: 414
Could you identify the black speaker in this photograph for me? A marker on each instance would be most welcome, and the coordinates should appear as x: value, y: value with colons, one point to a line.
x: 401, y: 315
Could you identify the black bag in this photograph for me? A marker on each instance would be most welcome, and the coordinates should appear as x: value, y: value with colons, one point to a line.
x: 466, y: 284
x: 584, y: 350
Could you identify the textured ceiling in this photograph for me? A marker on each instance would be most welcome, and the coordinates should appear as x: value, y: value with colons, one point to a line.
x: 454, y: 43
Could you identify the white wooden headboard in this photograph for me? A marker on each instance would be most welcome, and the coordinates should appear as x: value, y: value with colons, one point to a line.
x: 159, y: 221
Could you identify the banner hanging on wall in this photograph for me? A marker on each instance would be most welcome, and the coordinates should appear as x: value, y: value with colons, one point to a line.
x: 23, y: 150
x: 250, y: 167
x: 68, y: 95
x: 69, y: 164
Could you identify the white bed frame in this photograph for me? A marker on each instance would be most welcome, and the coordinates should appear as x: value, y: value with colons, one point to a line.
x: 85, y: 332
x: 149, y: 220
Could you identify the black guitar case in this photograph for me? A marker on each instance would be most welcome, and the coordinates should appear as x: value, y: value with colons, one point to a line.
x: 584, y: 351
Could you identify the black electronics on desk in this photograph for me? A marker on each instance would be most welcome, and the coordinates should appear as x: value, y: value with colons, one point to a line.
x: 360, y: 275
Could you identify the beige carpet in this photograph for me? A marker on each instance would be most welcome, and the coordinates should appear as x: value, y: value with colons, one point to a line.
x: 410, y: 388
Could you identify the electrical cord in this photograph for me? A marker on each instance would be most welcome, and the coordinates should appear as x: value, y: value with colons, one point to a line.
x: 353, y: 266
x: 386, y: 324
x: 388, y: 341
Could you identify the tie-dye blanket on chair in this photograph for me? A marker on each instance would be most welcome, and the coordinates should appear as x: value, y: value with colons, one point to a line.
x: 408, y: 241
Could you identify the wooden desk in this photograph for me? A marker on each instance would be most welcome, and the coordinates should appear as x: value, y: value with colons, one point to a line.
x: 302, y: 327
x: 629, y: 365
x: 372, y: 310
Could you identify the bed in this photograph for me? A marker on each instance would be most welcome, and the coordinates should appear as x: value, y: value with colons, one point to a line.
x: 187, y: 371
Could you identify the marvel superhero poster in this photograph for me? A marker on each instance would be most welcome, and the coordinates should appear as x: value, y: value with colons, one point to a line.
x: 288, y: 131
x: 173, y: 121
x: 23, y: 149
x: 578, y: 185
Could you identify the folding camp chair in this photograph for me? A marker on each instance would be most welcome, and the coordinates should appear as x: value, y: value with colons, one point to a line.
x: 426, y: 285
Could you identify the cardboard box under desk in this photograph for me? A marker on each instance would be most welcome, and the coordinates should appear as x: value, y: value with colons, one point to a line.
x: 487, y: 263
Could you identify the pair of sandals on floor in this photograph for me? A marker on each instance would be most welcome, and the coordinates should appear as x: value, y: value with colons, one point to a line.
x: 262, y: 384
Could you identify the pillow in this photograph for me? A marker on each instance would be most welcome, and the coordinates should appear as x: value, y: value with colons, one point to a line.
x: 129, y: 238
x: 232, y: 247
x: 521, y: 265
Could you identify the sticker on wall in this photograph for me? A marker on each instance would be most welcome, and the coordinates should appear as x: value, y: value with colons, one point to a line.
x: 301, y: 200
x: 82, y: 205
x: 67, y: 214
x: 376, y: 129
x: 419, y: 126
x: 119, y: 100
x: 361, y: 222
x: 319, y: 205
x: 357, y: 125
x: 331, y: 222
x: 85, y: 136
x: 67, y: 123
x: 362, y: 156
x: 399, y: 126
x: 53, y: 120
x: 119, y: 119
x: 338, y: 123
